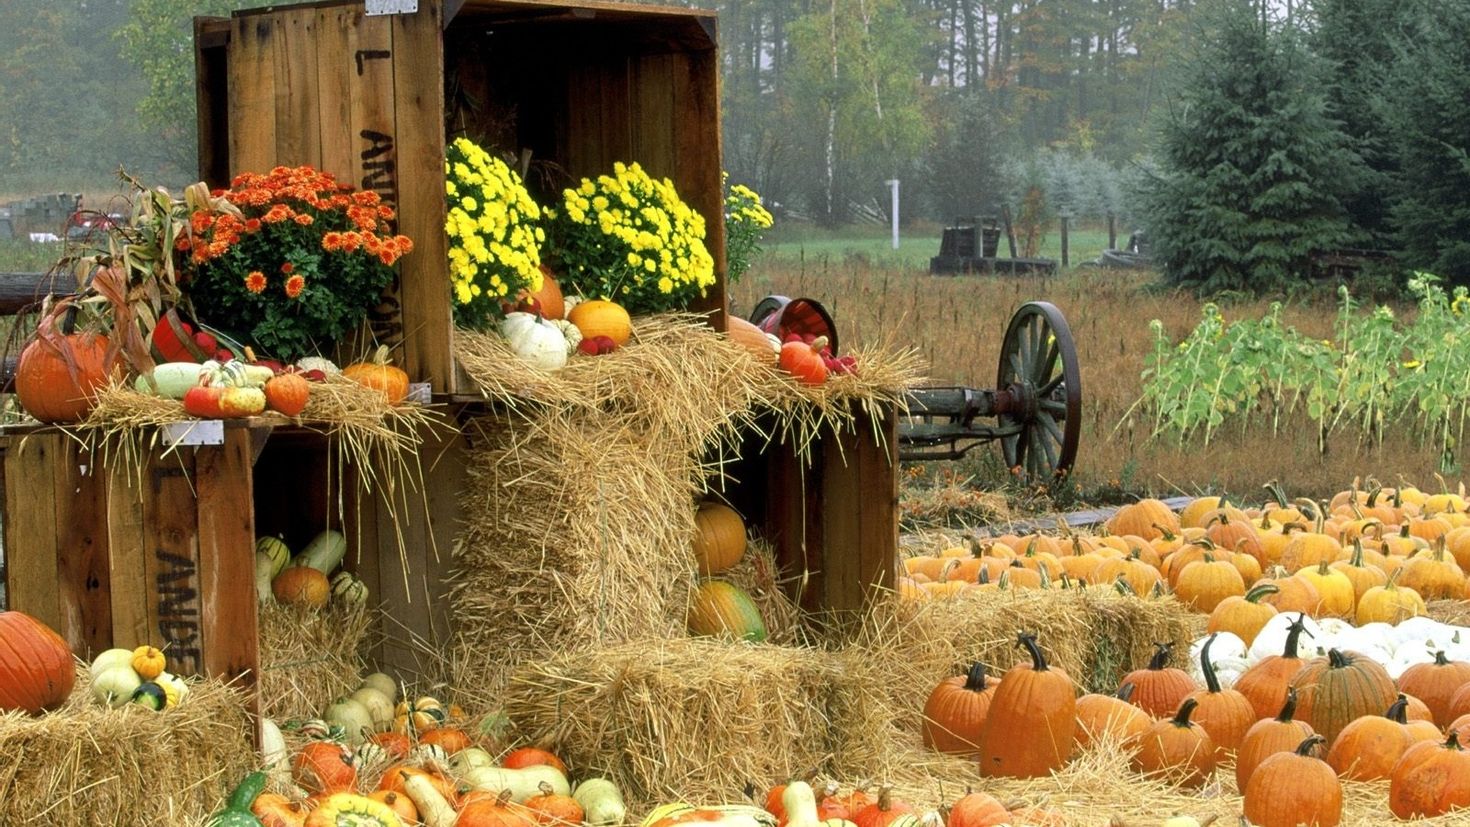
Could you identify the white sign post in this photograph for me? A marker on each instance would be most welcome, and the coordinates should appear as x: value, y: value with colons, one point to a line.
x: 893, y: 185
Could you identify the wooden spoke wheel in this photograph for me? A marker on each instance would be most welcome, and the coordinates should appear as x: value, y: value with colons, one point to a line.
x: 1039, y: 391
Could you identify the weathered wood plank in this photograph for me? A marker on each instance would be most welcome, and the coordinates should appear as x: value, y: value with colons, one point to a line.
x: 700, y: 174
x: 171, y: 525
x: 335, y: 69
x: 252, y: 80
x: 128, y: 554
x: 227, y: 561
x: 30, y: 532
x: 298, y: 118
x: 81, y: 526
x: 211, y: 98
x: 418, y: 106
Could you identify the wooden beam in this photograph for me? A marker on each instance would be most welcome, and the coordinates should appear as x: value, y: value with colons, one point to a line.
x: 21, y: 290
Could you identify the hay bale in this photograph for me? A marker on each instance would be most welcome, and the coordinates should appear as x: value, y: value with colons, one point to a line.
x: 309, y: 657
x: 756, y: 574
x: 690, y: 719
x: 88, y: 765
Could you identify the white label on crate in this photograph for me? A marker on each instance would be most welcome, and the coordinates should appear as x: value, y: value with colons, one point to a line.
x: 420, y: 392
x: 376, y: 7
x: 197, y: 432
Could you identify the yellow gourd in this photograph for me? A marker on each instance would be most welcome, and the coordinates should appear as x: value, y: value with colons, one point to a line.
x: 148, y: 662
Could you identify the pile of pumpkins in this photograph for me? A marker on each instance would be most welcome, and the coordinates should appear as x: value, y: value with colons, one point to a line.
x: 547, y: 328
x: 309, y: 578
x: 377, y: 760
x: 136, y: 676
x: 797, y: 803
x: 1292, y: 725
x: 1374, y: 556
x: 718, y: 606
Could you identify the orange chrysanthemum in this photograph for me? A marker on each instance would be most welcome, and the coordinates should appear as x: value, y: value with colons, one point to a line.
x: 295, y: 285
x: 287, y: 268
x: 255, y: 281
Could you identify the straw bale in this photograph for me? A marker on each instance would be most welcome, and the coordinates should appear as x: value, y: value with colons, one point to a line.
x: 309, y: 657
x: 89, y: 765
x: 1452, y: 612
x: 681, y: 719
x: 756, y: 574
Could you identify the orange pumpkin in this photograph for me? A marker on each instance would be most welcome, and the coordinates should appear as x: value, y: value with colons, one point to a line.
x: 1334, y: 691
x: 380, y: 376
x: 553, y: 304
x: 499, y: 812
x: 303, y: 586
x: 275, y: 810
x: 719, y: 538
x: 1224, y: 713
x: 881, y: 813
x: 954, y: 714
x: 551, y: 807
x: 602, y: 318
x: 1269, y: 736
x: 1368, y: 748
x: 1431, y: 779
x: 523, y: 757
x: 1159, y: 688
x: 58, y: 375
x: 978, y: 810
x: 324, y: 767
x: 401, y: 805
x: 1292, y: 788
x: 452, y: 739
x: 1031, y: 727
x: 36, y: 668
x: 1436, y: 684
x: 396, y: 744
x: 1178, y: 749
x: 1265, y: 683
x: 1110, y: 715
x: 287, y: 394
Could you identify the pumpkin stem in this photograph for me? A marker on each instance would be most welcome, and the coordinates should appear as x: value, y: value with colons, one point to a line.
x: 1336, y: 659
x: 1181, y: 718
x: 1161, y: 656
x: 1038, y: 661
x: 975, y: 680
x: 1124, y: 588
x: 1277, y: 493
x: 380, y: 357
x: 1294, y: 635
x: 1258, y: 592
x: 1125, y: 692
x: 984, y: 576
x: 1453, y: 742
x: 1288, y: 709
x: 1440, y: 659
x: 1306, y: 747
x: 1399, y: 711
x: 1212, y: 681
x: 885, y: 799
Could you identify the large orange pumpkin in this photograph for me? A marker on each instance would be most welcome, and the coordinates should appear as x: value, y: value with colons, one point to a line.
x: 1292, y: 788
x: 1031, y: 727
x: 1436, y: 684
x: 1178, y: 749
x: 301, y: 585
x: 36, y: 668
x: 719, y: 538
x: 553, y: 304
x: 1431, y: 779
x: 1334, y: 691
x: 52, y: 390
x: 324, y: 766
x: 1158, y: 688
x: 954, y: 714
x: 380, y: 375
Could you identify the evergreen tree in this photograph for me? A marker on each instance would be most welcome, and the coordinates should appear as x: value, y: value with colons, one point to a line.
x: 1429, y: 117
x: 966, y: 171
x: 1355, y: 38
x: 1252, y: 169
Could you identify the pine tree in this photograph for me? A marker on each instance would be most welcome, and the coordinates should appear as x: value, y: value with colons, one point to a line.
x: 1252, y: 169
x: 1429, y: 116
x: 1356, y: 38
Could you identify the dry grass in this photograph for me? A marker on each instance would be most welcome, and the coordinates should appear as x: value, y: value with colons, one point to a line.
x: 89, y: 765
x: 309, y: 657
x: 957, y: 324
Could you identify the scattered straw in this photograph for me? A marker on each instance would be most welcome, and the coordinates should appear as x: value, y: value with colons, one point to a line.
x: 1453, y: 612
x: 89, y: 765
x: 309, y: 657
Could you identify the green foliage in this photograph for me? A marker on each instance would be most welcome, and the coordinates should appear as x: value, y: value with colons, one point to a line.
x: 1251, y: 167
x: 746, y: 219
x: 966, y: 173
x: 1378, y: 373
x: 1431, y: 93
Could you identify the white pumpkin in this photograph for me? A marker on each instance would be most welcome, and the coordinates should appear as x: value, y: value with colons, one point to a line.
x: 354, y: 719
x: 1376, y: 635
x: 115, y: 686
x: 383, y: 684
x: 108, y: 659
x: 1421, y: 628
x: 180, y: 686
x: 273, y: 752
x: 378, y: 705
x: 469, y: 758
x: 1227, y: 655
x: 534, y: 340
x: 1271, y: 640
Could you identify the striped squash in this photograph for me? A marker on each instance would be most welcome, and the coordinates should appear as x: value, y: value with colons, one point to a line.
x: 720, y: 608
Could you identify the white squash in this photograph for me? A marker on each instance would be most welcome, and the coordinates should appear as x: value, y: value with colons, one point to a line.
x: 378, y: 705
x: 434, y: 811
x: 602, y: 802
x: 534, y: 340
x: 108, y: 659
x: 326, y: 366
x: 522, y: 783
x: 170, y: 380
x: 324, y: 553
x: 273, y: 752
x: 263, y: 566
x: 469, y: 758
x: 179, y: 685
x: 800, y: 802
x: 354, y: 719
x: 115, y: 686
x: 383, y: 684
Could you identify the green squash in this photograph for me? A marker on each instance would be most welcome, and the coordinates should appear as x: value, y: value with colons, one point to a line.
x: 718, y: 607
x: 236, y: 812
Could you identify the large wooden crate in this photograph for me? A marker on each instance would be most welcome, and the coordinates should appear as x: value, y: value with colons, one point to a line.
x: 114, y: 558
x: 369, y: 98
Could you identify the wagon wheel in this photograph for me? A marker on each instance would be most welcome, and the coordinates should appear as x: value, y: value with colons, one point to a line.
x: 1039, y: 390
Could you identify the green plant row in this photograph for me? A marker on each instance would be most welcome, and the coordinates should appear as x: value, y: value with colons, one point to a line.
x: 1377, y: 373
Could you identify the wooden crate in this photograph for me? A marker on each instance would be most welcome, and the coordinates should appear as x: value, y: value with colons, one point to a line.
x: 113, y: 559
x: 577, y: 84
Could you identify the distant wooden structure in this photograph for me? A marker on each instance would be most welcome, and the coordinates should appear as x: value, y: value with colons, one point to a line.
x: 972, y: 246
